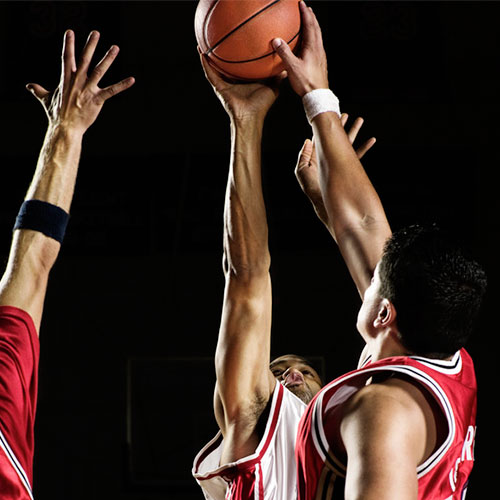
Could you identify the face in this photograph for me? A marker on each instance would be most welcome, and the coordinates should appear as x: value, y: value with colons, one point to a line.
x: 297, y: 376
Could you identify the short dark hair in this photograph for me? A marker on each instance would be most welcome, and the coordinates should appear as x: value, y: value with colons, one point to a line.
x: 436, y: 288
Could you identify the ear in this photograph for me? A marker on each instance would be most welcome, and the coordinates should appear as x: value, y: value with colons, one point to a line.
x: 386, y: 314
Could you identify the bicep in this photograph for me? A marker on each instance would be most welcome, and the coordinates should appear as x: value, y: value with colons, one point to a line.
x: 243, y: 348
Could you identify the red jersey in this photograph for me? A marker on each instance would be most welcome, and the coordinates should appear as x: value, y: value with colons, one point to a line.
x: 444, y: 475
x: 19, y: 354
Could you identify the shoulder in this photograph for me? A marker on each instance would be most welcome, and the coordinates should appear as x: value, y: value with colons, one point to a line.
x: 392, y: 394
x: 380, y: 416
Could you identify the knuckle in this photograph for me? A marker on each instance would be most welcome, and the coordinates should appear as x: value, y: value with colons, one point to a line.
x: 98, y: 72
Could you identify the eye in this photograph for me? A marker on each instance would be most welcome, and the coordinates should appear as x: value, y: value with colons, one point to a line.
x: 306, y: 372
x: 277, y: 373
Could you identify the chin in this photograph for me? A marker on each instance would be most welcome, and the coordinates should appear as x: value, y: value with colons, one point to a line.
x: 302, y: 392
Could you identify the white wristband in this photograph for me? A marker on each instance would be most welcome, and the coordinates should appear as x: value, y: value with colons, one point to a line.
x: 320, y: 101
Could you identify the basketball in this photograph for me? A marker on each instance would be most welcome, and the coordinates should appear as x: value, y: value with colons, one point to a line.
x: 236, y: 35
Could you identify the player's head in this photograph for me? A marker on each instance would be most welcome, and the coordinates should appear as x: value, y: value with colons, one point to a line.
x: 435, y: 288
x: 298, y: 375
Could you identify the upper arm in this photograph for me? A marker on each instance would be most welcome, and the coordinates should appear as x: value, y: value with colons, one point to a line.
x: 24, y: 282
x: 382, y: 431
x: 244, y: 381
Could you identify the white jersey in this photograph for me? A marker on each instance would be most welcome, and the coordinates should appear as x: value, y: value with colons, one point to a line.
x: 267, y: 474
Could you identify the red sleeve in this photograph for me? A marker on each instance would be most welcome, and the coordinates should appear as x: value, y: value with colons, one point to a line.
x: 19, y: 354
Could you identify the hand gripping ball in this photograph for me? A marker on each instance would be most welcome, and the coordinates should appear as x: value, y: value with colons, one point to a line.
x: 236, y: 35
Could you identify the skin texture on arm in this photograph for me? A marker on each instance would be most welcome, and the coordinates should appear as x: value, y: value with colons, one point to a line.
x: 71, y: 109
x: 244, y: 381
x: 356, y: 218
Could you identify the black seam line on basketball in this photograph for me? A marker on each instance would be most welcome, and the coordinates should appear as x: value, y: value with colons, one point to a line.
x: 227, y: 35
x: 255, y: 58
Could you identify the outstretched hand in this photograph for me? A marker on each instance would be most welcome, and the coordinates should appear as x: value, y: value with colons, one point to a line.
x: 306, y: 169
x: 77, y: 101
x: 242, y: 100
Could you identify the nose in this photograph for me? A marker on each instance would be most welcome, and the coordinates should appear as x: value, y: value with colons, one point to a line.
x: 287, y: 372
x: 292, y: 376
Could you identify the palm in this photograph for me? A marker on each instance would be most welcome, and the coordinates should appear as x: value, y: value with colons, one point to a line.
x: 242, y: 100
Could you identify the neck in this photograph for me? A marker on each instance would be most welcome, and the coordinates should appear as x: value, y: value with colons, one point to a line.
x: 386, y: 345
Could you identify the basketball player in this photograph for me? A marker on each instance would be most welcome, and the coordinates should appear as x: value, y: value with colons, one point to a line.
x: 38, y: 234
x: 257, y: 405
x: 403, y: 425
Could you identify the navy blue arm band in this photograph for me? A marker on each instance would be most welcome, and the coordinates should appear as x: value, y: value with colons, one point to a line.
x: 43, y: 217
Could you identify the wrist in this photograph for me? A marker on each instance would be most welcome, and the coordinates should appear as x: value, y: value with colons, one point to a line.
x: 246, y: 135
x: 320, y: 101
x: 247, y: 122
x: 310, y: 86
x: 65, y: 131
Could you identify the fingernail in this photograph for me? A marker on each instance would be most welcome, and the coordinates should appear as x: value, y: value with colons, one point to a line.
x: 277, y: 42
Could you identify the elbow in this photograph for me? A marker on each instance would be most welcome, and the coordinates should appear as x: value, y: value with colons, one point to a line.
x: 359, y: 222
x: 36, y: 250
x: 47, y: 255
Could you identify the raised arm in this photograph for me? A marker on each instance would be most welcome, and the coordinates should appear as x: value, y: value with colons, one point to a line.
x: 71, y: 109
x: 356, y: 217
x: 244, y: 381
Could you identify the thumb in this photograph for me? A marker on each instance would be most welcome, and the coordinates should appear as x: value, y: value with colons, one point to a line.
x: 38, y: 91
x: 284, y: 51
x: 210, y: 73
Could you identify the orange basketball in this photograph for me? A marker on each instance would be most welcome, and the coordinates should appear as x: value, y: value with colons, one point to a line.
x: 236, y: 35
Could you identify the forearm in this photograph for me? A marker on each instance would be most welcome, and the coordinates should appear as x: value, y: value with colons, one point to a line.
x: 53, y: 182
x: 55, y: 175
x: 355, y: 215
x: 245, y: 224
x: 349, y: 196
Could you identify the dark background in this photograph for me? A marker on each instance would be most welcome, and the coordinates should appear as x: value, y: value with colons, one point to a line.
x: 133, y: 306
